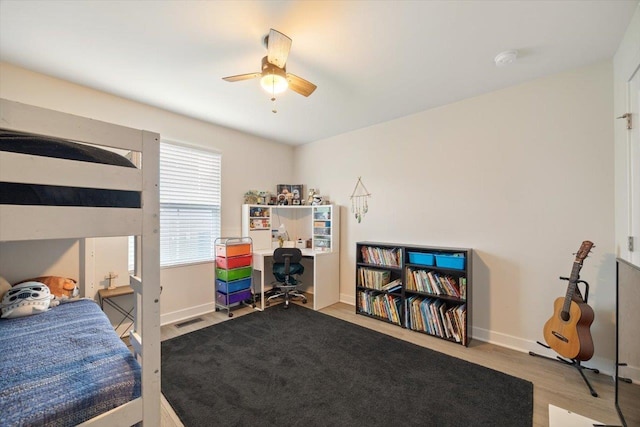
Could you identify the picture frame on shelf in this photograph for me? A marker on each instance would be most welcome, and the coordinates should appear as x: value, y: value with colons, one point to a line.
x: 280, y: 188
x: 290, y: 194
x: 284, y: 194
x: 297, y: 194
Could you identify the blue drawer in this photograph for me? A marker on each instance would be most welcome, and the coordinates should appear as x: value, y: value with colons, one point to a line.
x: 234, y: 285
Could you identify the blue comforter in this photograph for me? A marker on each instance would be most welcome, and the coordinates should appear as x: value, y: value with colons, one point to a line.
x: 63, y: 367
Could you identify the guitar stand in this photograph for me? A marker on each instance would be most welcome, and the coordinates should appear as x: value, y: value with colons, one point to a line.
x: 573, y: 362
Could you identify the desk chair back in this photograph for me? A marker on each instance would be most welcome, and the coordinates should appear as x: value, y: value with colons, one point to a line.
x: 286, y: 265
x: 293, y: 255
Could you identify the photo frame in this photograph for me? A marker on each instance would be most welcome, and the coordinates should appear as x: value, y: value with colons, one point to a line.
x: 283, y: 193
x: 282, y: 187
x: 297, y: 194
x: 290, y: 194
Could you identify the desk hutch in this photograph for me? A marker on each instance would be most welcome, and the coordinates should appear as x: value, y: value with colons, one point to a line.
x: 303, y: 223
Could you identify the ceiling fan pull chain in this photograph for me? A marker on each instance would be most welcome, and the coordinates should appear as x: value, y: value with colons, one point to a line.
x: 273, y: 95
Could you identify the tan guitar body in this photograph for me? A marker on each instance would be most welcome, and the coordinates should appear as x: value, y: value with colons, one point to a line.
x: 570, y: 338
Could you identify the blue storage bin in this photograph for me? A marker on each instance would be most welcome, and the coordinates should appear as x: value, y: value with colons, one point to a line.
x: 420, y: 258
x: 234, y: 285
x: 450, y: 261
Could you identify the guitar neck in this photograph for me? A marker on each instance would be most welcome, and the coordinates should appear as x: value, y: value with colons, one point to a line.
x: 575, y: 271
x: 585, y: 247
x: 573, y: 283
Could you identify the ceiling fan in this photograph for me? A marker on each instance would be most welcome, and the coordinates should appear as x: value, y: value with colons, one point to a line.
x: 274, y: 77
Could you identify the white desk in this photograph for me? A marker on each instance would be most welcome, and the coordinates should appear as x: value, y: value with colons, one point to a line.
x: 324, y: 276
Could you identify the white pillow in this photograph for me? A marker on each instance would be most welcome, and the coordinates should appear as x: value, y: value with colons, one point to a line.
x: 25, y: 299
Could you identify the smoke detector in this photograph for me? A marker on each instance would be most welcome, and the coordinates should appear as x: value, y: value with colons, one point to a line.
x: 505, y: 58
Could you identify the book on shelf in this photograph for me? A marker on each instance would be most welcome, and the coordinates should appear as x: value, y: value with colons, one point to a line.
x: 382, y: 256
x: 381, y: 305
x: 394, y: 285
x: 372, y: 278
x: 436, y: 317
x: 432, y: 282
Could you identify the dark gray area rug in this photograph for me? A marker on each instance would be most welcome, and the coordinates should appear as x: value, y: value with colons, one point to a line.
x: 298, y: 367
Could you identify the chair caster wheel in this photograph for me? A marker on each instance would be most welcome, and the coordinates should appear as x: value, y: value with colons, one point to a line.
x: 267, y: 303
x: 304, y: 301
x: 230, y: 314
x: 286, y: 305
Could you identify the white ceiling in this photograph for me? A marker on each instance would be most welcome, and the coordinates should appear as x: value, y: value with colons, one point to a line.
x: 372, y: 61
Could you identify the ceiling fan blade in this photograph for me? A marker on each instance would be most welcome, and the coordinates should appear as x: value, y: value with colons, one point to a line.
x: 240, y: 77
x: 278, y: 46
x: 300, y: 85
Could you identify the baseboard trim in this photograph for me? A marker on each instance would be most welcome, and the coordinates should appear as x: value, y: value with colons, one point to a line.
x: 180, y: 315
x: 605, y: 366
x: 348, y: 299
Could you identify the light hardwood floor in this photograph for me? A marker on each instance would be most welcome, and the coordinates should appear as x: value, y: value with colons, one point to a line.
x: 553, y: 383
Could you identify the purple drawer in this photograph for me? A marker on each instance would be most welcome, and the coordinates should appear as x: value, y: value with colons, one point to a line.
x: 226, y: 299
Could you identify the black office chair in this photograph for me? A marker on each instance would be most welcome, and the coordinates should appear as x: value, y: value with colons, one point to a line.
x: 286, y: 270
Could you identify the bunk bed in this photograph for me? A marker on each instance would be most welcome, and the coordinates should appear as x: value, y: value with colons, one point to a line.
x: 92, y: 198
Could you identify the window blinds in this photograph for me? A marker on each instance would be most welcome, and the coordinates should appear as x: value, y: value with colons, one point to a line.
x: 190, y: 187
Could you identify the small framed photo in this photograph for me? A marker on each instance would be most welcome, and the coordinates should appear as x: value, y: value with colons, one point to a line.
x: 284, y: 194
x: 297, y: 194
x: 283, y: 188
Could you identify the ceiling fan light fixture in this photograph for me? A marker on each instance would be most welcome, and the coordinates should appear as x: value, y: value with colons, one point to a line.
x: 274, y: 83
x: 274, y: 78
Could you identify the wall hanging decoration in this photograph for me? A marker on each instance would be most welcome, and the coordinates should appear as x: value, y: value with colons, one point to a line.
x: 359, y: 200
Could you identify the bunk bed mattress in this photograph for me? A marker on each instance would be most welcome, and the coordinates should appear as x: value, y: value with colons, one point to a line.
x: 53, y: 195
x: 63, y: 367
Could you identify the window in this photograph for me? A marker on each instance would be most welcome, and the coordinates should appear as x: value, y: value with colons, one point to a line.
x: 190, y: 186
x: 132, y: 254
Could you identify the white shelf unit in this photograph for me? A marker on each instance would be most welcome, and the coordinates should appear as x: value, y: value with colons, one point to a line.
x: 321, y: 277
x: 319, y: 223
x: 322, y: 228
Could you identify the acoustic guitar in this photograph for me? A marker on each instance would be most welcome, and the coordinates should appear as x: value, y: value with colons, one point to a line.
x: 567, y: 331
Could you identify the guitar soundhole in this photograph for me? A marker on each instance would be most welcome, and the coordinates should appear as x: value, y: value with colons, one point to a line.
x: 564, y: 315
x: 560, y: 336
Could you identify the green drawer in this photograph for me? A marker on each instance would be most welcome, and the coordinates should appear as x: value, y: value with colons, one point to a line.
x: 234, y: 274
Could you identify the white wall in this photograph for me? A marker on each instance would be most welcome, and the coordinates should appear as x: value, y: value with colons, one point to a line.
x: 522, y: 176
x: 53, y: 258
x: 247, y: 163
